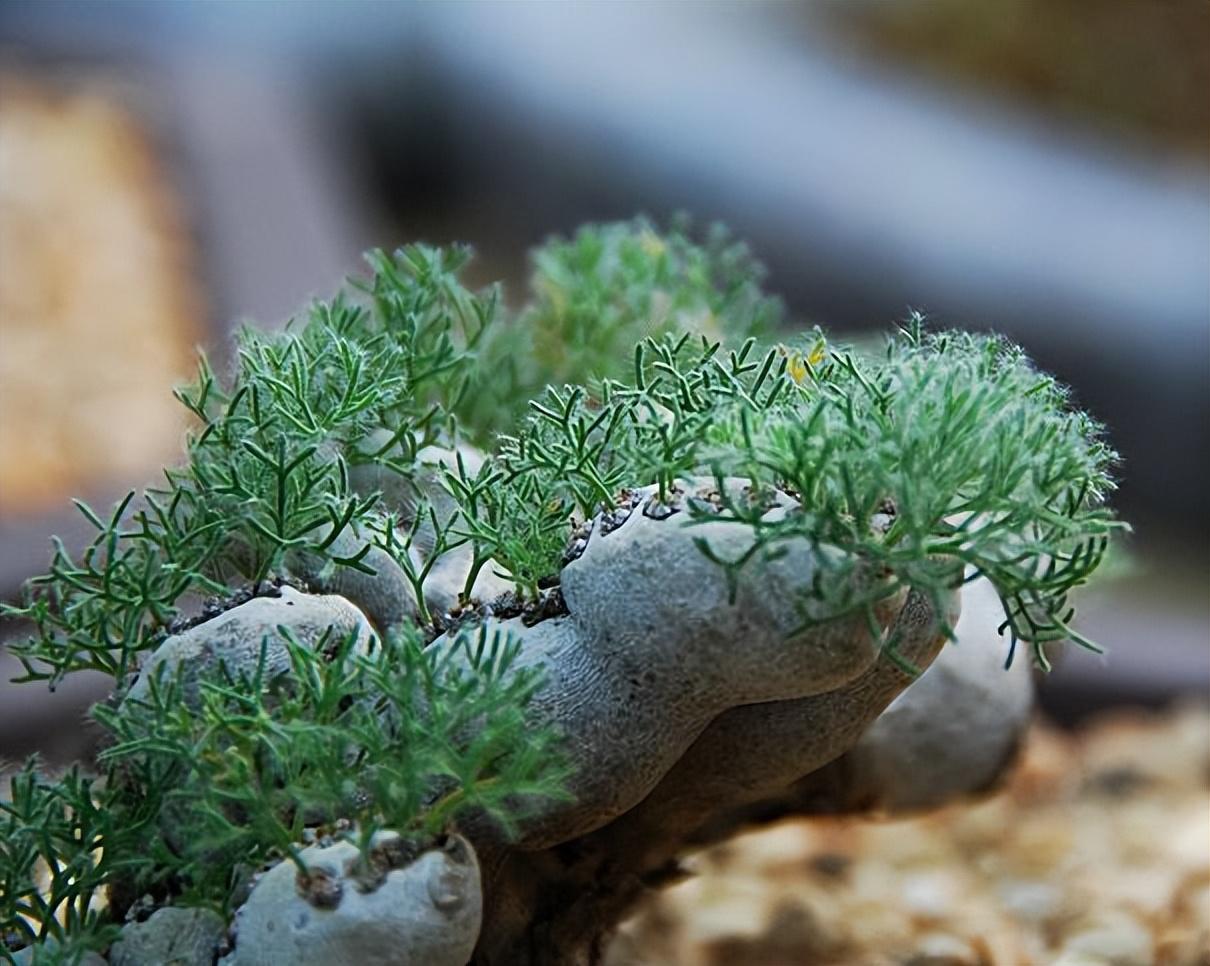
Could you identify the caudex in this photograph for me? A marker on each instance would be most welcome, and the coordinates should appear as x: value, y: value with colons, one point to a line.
x: 457, y: 627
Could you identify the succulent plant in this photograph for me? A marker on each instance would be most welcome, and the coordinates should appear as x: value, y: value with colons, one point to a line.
x: 406, y: 670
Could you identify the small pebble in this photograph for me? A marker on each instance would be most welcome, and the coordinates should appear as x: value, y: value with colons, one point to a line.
x: 1120, y: 941
x: 1053, y: 870
x: 942, y: 949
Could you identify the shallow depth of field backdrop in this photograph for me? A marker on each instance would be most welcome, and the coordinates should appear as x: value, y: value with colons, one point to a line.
x: 1035, y: 167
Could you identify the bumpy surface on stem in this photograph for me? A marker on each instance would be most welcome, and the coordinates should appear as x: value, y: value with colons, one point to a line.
x: 951, y: 734
x: 575, y: 892
x: 656, y: 644
x: 338, y: 913
x: 235, y: 639
x: 762, y: 762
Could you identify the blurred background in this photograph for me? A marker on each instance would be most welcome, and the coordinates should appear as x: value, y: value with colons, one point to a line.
x: 1038, y: 167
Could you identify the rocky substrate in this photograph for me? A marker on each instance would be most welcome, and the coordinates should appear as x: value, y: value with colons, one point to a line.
x: 1096, y: 852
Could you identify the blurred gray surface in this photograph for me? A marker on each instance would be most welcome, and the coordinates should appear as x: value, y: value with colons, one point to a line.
x: 866, y: 190
x: 306, y: 133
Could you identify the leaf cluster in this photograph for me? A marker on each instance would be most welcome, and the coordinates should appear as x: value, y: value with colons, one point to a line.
x: 196, y: 796
x: 399, y: 738
x: 947, y: 451
x: 61, y: 844
x: 596, y: 294
x: 266, y: 478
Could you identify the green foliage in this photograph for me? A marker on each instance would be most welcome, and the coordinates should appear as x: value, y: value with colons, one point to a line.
x: 266, y: 477
x: 196, y: 796
x: 514, y: 523
x: 947, y: 452
x: 598, y: 293
x: 398, y: 738
x: 595, y: 295
x: 372, y: 377
x: 395, y: 359
x: 969, y: 454
x: 60, y: 844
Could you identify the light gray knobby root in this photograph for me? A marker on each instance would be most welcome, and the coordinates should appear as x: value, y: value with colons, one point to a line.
x: 744, y: 760
x: 171, y: 936
x: 755, y: 751
x: 656, y: 644
x: 426, y: 913
x: 953, y: 732
x: 233, y: 639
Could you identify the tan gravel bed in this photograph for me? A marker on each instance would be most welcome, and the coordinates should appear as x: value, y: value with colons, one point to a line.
x: 1097, y: 851
x: 99, y: 311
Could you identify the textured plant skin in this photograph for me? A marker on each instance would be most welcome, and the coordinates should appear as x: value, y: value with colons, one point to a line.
x: 426, y: 912
x: 248, y: 636
x: 653, y: 649
x: 837, y: 753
